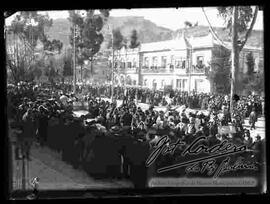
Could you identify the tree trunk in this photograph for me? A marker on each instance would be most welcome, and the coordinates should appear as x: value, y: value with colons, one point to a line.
x: 235, y: 57
x: 81, y: 74
x: 74, y: 60
x: 140, y: 80
x: 91, y: 66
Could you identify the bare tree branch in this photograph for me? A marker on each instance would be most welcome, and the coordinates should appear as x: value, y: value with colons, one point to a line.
x: 250, y: 29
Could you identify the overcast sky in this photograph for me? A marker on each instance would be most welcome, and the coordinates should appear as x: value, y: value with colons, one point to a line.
x: 171, y: 18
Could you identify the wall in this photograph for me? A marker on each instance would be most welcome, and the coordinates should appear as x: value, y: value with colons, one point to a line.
x: 203, y: 86
x: 206, y: 53
x: 168, y: 80
x: 258, y: 56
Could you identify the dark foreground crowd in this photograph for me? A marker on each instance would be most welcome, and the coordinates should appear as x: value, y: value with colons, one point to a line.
x: 112, y: 141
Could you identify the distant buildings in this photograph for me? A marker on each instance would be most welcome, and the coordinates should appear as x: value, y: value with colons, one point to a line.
x: 181, y: 63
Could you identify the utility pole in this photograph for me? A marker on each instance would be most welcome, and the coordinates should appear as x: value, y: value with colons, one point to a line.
x: 190, y: 62
x: 189, y: 71
x: 234, y: 55
x: 125, y: 73
x: 112, y: 66
x: 74, y: 58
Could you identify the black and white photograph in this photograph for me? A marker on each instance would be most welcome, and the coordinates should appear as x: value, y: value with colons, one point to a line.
x: 140, y: 98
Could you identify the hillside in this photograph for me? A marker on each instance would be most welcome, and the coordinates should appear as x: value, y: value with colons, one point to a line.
x: 147, y: 31
x: 60, y: 30
x: 256, y: 38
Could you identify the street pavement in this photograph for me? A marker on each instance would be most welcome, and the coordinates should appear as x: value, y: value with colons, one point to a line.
x: 54, y: 174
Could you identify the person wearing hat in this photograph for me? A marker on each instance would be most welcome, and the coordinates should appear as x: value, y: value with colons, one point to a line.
x: 252, y: 119
x: 140, y: 132
x: 170, y: 117
x: 213, y: 128
x: 103, y: 164
x: 42, y: 125
x: 28, y: 132
x: 247, y: 138
x: 160, y: 118
x: 198, y: 121
x: 191, y: 126
x: 219, y: 137
x: 126, y: 118
x: 181, y: 127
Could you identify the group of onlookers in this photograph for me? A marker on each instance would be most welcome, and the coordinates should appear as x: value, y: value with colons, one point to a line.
x: 110, y: 137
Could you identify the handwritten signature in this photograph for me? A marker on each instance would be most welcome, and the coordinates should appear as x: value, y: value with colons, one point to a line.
x: 208, y: 163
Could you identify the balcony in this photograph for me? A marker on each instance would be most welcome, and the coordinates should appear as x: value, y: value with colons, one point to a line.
x: 199, y: 69
x: 122, y: 70
x: 132, y: 70
x: 157, y: 69
x: 173, y: 69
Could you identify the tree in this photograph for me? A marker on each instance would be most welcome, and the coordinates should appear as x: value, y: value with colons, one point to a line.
x: 237, y: 19
x: 219, y: 74
x: 134, y: 43
x: 118, y: 39
x: 22, y: 37
x: 253, y: 81
x: 67, y: 68
x: 30, y: 25
x: 54, y: 45
x: 50, y: 71
x: 244, y: 21
x: 118, y: 42
x: 37, y: 68
x: 256, y: 83
x: 89, y: 37
x: 250, y: 64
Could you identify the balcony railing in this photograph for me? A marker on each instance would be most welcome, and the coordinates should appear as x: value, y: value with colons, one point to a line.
x: 199, y: 69
x: 157, y: 69
x: 132, y: 70
x: 168, y: 69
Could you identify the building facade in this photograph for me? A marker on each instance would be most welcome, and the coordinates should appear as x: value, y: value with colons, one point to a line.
x: 181, y: 63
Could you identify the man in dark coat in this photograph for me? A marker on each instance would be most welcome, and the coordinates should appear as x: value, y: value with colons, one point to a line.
x: 126, y: 119
x: 28, y: 133
x: 137, y: 154
x: 105, y: 160
x: 252, y: 119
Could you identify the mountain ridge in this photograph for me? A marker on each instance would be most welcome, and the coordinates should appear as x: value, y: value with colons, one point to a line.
x: 147, y: 31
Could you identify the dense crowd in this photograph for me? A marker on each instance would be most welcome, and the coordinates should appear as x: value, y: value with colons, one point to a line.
x: 111, y: 136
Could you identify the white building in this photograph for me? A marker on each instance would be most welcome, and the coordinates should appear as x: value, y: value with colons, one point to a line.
x: 181, y: 63
x: 167, y: 63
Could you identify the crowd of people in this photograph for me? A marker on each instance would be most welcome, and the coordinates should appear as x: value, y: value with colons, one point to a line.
x: 116, y: 140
